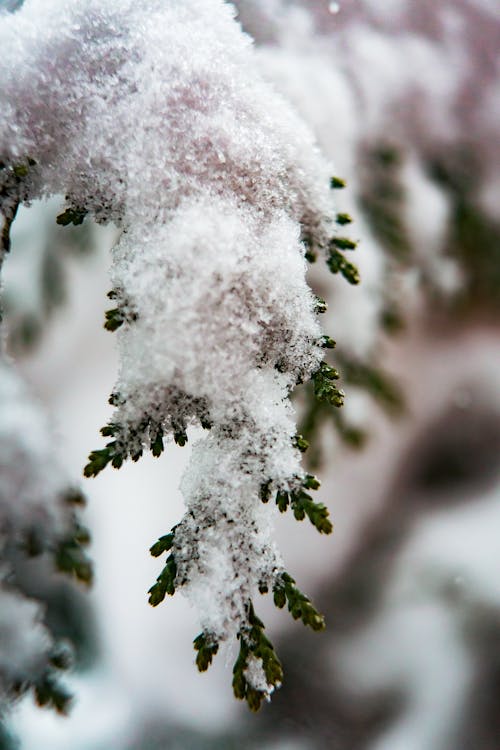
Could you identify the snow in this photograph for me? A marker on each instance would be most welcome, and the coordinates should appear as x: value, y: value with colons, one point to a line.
x: 152, y: 115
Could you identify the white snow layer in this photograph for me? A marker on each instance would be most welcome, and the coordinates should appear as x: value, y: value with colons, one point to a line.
x: 151, y: 114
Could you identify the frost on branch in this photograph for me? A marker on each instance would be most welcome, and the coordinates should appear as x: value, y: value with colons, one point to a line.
x: 37, y: 520
x: 151, y: 115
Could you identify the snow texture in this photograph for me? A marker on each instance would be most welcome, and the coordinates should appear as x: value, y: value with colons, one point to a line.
x: 152, y: 115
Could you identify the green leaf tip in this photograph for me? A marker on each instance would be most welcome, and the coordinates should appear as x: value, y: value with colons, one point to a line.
x: 99, y: 459
x: 337, y: 183
x: 337, y: 263
x: 253, y: 643
x: 343, y: 219
x: 299, y: 605
x: 324, y: 388
x: 71, y: 216
x: 165, y: 583
x: 206, y: 647
x: 164, y: 544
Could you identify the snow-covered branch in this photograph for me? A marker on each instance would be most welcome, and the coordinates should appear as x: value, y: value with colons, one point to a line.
x: 152, y: 115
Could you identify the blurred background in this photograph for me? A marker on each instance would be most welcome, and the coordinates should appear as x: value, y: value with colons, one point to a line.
x: 404, y: 97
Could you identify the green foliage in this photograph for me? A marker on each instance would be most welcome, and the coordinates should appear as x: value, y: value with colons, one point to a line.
x: 343, y: 219
x: 120, y: 314
x: 324, y: 388
x: 99, y: 459
x: 327, y: 342
x: 164, y: 544
x: 301, y: 503
x: 254, y: 643
x: 321, y: 306
x: 206, y: 647
x: 344, y: 243
x: 338, y: 263
x: 114, y: 319
x: 72, y: 215
x: 337, y: 183
x: 301, y: 443
x: 299, y: 605
x: 165, y: 583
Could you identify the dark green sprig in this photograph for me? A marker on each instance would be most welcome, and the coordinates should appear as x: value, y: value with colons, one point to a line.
x: 299, y: 605
x: 343, y: 219
x: 310, y: 254
x: 327, y: 342
x: 337, y: 263
x: 303, y: 505
x: 301, y: 443
x: 119, y: 315
x: 72, y: 215
x: 282, y: 500
x: 324, y: 388
x: 253, y: 642
x: 99, y: 459
x: 337, y: 183
x: 114, y: 319
x: 265, y: 491
x: 180, y: 437
x: 310, y: 482
x: 320, y: 306
x: 343, y: 243
x: 165, y: 583
x: 164, y: 544
x: 207, y: 647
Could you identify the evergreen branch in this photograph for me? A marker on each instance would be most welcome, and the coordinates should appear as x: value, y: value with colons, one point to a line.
x: 72, y: 215
x: 299, y: 605
x: 303, y: 505
x: 99, y: 459
x: 301, y: 443
x: 343, y: 219
x: 337, y: 183
x: 120, y: 314
x: 254, y: 643
x: 337, y: 263
x: 164, y: 544
x: 206, y: 647
x: 324, y: 389
x: 114, y: 319
x: 343, y: 243
x: 165, y: 583
x: 320, y: 306
x: 326, y: 342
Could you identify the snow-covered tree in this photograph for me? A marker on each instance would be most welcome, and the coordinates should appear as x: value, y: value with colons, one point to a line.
x: 151, y: 115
